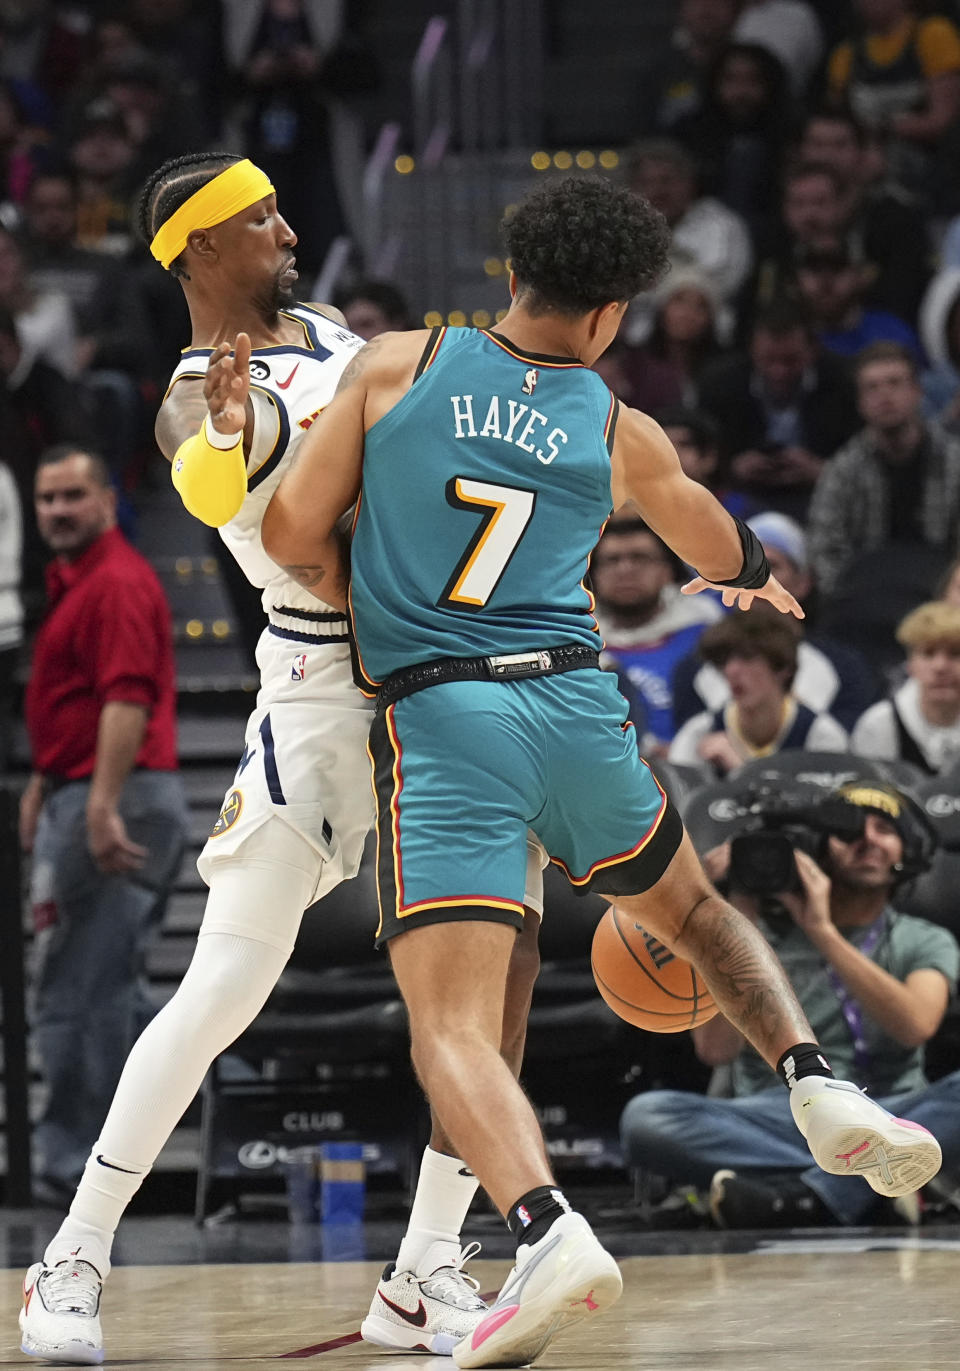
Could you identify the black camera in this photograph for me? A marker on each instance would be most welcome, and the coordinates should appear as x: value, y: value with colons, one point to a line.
x: 761, y: 859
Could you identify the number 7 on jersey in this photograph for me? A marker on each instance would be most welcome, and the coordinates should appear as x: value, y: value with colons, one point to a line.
x: 506, y: 510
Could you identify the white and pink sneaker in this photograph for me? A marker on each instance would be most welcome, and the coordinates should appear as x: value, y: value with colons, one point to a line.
x: 565, y: 1277
x: 850, y: 1135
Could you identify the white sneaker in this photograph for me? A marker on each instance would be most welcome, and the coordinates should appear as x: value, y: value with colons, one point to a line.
x: 427, y: 1310
x: 851, y: 1135
x: 556, y: 1281
x: 60, y: 1318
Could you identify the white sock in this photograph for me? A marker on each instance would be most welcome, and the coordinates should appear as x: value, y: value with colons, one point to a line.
x: 225, y: 987
x: 444, y: 1192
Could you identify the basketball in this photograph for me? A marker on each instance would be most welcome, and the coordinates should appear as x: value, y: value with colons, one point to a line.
x: 643, y: 981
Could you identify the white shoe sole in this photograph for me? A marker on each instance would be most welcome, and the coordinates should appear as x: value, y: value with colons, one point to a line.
x: 894, y: 1157
x: 587, y: 1283
x: 72, y: 1353
x: 383, y: 1333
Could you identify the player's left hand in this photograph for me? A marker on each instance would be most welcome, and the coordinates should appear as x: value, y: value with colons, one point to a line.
x: 227, y: 385
x: 733, y: 597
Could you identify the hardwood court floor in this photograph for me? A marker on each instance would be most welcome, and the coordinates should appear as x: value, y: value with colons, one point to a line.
x: 788, y: 1306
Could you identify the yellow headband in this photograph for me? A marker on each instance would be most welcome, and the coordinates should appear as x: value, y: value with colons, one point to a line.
x: 237, y: 188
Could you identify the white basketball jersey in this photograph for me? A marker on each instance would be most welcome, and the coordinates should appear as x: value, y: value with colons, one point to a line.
x: 289, y: 386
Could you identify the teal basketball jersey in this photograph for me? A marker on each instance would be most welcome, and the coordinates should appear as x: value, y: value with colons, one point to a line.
x: 485, y: 490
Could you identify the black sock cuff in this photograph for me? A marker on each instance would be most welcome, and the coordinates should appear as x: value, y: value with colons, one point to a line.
x: 806, y: 1059
x: 533, y: 1213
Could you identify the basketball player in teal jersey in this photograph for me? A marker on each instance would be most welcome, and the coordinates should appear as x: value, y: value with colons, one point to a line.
x: 489, y: 464
x: 294, y: 820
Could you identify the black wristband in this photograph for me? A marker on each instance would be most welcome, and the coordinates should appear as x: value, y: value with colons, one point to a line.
x: 755, y: 571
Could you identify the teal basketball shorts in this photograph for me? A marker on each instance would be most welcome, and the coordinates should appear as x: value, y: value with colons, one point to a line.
x: 462, y: 770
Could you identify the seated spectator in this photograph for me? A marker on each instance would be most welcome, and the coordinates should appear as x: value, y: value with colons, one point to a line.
x: 102, y: 157
x: 896, y: 482
x: 883, y: 223
x: 875, y: 985
x: 782, y: 408
x: 832, y: 284
x: 757, y: 656
x: 740, y: 132
x: 920, y: 723
x: 106, y: 303
x: 45, y: 320
x: 940, y: 334
x: 673, y: 86
x: 666, y: 370
x: 787, y: 28
x: 706, y: 234
x: 831, y: 677
x: 811, y: 212
x: 374, y: 307
x: 901, y: 78
x: 696, y: 437
x: 646, y: 623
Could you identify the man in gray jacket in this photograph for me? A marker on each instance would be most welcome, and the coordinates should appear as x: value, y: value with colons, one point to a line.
x: 896, y: 482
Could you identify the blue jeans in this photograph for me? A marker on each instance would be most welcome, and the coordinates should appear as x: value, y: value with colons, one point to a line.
x: 91, y: 935
x: 688, y: 1137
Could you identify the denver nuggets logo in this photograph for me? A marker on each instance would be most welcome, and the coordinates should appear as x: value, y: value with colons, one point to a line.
x: 229, y: 814
x: 530, y: 380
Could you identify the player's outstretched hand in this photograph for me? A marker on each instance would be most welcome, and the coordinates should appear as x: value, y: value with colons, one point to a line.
x: 227, y: 385
x: 742, y: 599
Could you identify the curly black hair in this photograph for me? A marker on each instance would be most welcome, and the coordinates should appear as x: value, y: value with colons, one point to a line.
x: 171, y: 185
x: 579, y: 243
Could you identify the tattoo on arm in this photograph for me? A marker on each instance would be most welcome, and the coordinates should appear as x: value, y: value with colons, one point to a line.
x: 360, y: 363
x: 308, y: 576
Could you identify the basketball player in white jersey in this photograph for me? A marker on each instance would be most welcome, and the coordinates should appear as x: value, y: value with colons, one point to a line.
x: 259, y: 370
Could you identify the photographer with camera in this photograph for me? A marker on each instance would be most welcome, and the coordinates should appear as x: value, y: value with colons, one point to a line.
x: 874, y: 983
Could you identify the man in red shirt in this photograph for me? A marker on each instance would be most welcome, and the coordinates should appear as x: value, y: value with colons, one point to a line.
x: 104, y: 812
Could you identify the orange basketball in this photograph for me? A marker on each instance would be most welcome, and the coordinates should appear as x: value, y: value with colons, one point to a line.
x: 642, y: 981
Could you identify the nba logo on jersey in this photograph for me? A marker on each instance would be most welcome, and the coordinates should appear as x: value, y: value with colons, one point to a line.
x: 530, y: 380
x: 299, y: 669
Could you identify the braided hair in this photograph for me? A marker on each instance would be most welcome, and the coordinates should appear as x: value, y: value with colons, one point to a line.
x: 171, y: 186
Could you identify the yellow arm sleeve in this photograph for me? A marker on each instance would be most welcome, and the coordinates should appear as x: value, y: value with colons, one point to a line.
x: 211, y: 481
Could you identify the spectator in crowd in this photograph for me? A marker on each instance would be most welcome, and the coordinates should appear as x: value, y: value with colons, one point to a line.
x: 920, y: 722
x: 11, y: 604
x: 618, y: 368
x: 45, y: 321
x: 289, y: 61
x: 757, y: 656
x: 833, y: 284
x: 901, y: 78
x: 811, y: 212
x: 940, y: 335
x: 739, y: 133
x: 113, y: 343
x: 162, y: 114
x: 674, y: 87
x: 831, y: 677
x: 667, y: 368
x: 102, y: 157
x: 646, y: 623
x: 696, y: 437
x: 897, y: 482
x: 706, y: 234
x: 790, y: 30
x: 104, y: 810
x: 874, y: 984
x: 883, y: 224
x: 373, y: 307
x: 782, y: 407
x: 24, y: 149
x: 43, y: 46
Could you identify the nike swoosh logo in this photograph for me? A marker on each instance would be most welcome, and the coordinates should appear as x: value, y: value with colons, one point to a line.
x: 282, y: 385
x: 465, y: 1171
x: 513, y: 1287
x: 103, y: 1162
x: 418, y: 1318
x: 28, y: 1296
